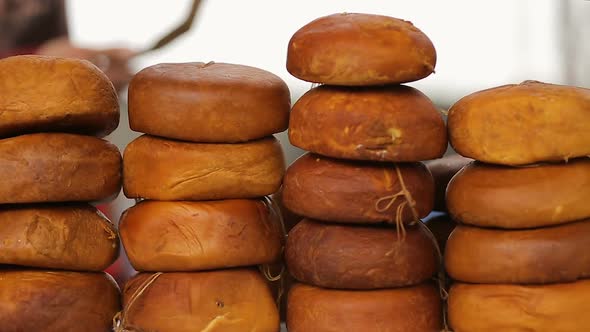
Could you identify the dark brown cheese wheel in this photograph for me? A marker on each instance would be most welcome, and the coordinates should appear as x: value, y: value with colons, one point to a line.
x: 493, y: 308
x: 358, y: 257
x: 526, y: 197
x: 191, y: 236
x: 162, y: 169
x: 68, y: 237
x: 360, y: 49
x: 212, y: 102
x: 217, y: 301
x: 520, y: 124
x: 408, y: 309
x: 54, y: 301
x: 40, y: 168
x: 392, y: 123
x: 41, y: 93
x: 335, y: 190
x: 535, y: 256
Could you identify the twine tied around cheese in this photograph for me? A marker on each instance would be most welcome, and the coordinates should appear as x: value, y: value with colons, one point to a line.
x: 120, y: 319
x: 441, y: 278
x: 266, y: 268
x: 386, y: 202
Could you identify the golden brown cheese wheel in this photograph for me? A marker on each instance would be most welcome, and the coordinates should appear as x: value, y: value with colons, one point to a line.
x: 392, y: 123
x: 57, y: 167
x: 360, y: 49
x: 212, y: 102
x: 161, y: 169
x: 536, y: 256
x: 493, y: 308
x: 525, y: 197
x: 41, y: 93
x: 408, y: 309
x: 216, y: 301
x: 69, y: 237
x: 520, y: 124
x: 54, y: 301
x: 335, y: 190
x: 355, y: 257
x: 192, y: 236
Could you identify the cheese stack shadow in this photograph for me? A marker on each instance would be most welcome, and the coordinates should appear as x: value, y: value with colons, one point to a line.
x: 363, y: 261
x: 521, y: 254
x: 440, y: 222
x: 202, y: 171
x: 54, y: 245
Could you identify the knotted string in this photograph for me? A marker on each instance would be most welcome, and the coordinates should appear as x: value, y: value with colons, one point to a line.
x: 389, y: 200
x: 401, y: 234
x: 267, y: 273
x: 120, y: 319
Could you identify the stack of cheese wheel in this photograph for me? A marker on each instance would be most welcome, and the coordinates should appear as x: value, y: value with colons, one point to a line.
x: 366, y: 134
x: 521, y: 256
x: 53, y: 244
x: 203, y: 168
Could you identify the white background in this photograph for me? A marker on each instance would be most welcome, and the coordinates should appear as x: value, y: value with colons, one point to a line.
x: 479, y: 43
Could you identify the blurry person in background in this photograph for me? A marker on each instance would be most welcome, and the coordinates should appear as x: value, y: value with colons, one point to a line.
x: 40, y: 27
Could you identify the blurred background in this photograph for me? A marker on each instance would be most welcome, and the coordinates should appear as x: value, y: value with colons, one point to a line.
x: 480, y: 44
